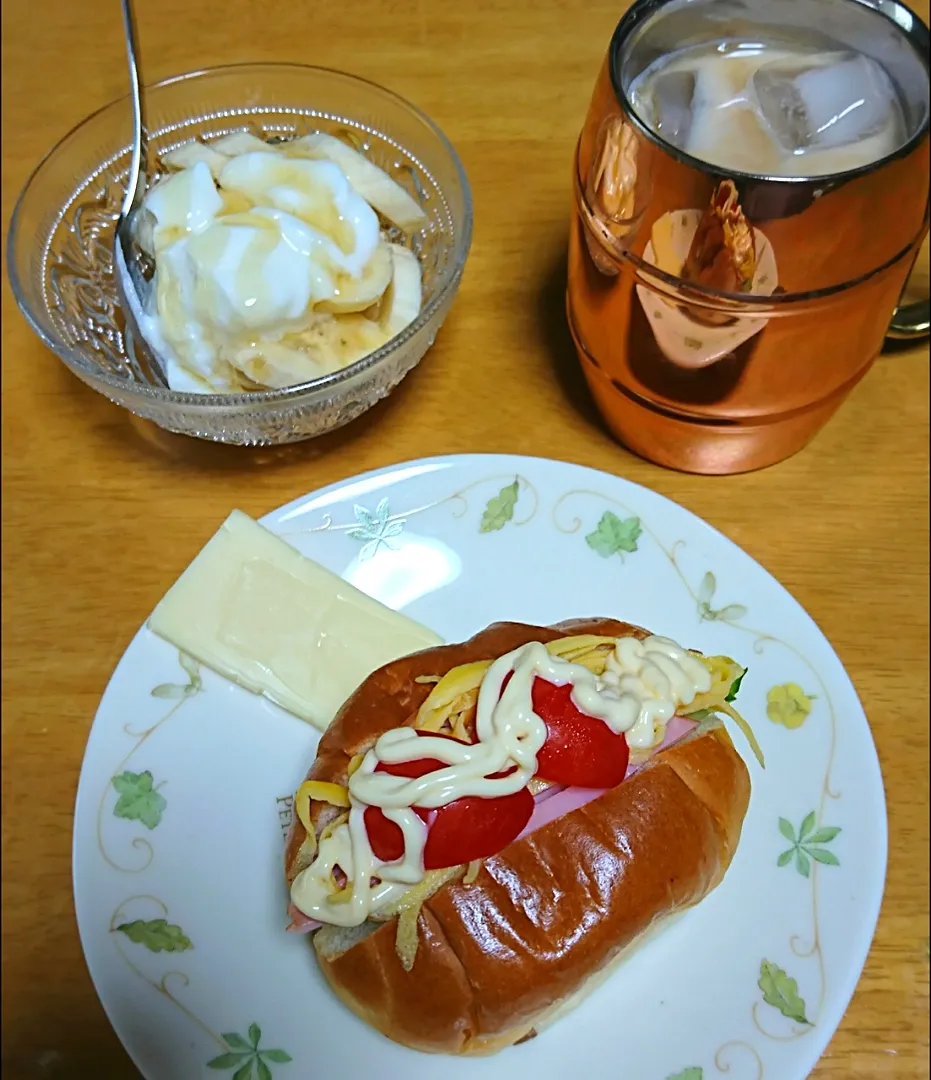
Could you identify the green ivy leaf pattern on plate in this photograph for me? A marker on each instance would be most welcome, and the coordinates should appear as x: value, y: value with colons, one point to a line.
x: 499, y: 509
x: 614, y: 535
x: 706, y: 612
x: 788, y: 705
x: 693, y: 1073
x: 169, y: 691
x: 781, y: 991
x: 807, y: 844
x: 178, y: 691
x: 245, y: 1056
x: 158, y: 935
x: 376, y: 528
x: 139, y: 800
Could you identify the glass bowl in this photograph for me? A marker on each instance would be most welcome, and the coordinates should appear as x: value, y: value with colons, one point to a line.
x: 59, y: 250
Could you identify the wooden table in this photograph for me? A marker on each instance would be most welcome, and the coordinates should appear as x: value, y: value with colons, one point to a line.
x: 99, y: 515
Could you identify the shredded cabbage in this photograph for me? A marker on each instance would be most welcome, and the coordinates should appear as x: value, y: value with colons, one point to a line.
x: 441, y: 704
x: 317, y: 790
x: 354, y: 764
x: 726, y: 675
x: 407, y: 908
x: 472, y: 871
x: 589, y: 650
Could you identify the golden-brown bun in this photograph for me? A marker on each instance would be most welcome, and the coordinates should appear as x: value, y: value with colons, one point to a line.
x: 497, y: 958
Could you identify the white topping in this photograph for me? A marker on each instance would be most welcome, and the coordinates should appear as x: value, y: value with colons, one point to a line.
x: 261, y: 259
x: 644, y: 684
x: 317, y: 192
x: 187, y: 202
x: 651, y: 679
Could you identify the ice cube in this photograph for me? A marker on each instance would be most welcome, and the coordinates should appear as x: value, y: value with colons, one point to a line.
x: 670, y: 105
x: 837, y: 100
x: 782, y: 106
x: 726, y: 128
x: 735, y: 138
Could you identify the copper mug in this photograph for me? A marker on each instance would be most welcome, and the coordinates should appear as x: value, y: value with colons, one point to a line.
x: 721, y: 317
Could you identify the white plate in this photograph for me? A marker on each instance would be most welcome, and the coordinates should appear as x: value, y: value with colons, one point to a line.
x: 185, y: 790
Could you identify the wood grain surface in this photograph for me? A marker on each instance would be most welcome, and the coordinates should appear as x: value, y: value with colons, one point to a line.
x: 100, y: 513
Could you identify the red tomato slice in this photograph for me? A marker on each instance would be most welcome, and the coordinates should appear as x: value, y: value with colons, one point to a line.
x: 475, y: 828
x: 468, y: 828
x: 385, y: 837
x: 580, y: 750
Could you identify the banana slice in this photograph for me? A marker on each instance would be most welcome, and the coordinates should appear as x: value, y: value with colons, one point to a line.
x: 216, y: 154
x: 239, y: 142
x: 143, y: 226
x: 328, y: 344
x: 357, y: 294
x: 404, y: 296
x: 192, y: 153
x: 372, y: 183
x: 274, y: 366
x: 340, y: 341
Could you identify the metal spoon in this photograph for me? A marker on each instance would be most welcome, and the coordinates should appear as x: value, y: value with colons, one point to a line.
x: 134, y: 289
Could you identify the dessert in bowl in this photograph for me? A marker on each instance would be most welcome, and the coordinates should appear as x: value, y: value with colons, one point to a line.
x: 307, y: 232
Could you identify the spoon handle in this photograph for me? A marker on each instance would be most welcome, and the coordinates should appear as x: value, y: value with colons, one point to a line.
x: 136, y: 180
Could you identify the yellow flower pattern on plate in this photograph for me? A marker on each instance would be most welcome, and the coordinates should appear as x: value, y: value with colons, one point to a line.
x: 788, y: 705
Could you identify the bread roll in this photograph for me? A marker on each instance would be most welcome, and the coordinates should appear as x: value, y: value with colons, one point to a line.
x: 502, y: 956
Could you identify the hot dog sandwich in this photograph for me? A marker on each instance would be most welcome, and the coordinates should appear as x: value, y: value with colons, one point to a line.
x: 488, y: 827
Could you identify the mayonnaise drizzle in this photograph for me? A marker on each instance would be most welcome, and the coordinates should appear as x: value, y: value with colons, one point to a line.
x: 643, y: 685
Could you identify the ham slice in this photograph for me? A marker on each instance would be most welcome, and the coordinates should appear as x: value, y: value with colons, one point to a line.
x: 554, y: 802
x: 677, y: 728
x: 551, y: 803
x: 301, y: 923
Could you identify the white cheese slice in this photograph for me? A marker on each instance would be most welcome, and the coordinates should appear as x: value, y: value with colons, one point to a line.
x: 258, y: 612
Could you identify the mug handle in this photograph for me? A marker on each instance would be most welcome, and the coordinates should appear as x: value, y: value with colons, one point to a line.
x: 910, y: 321
x: 913, y: 320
